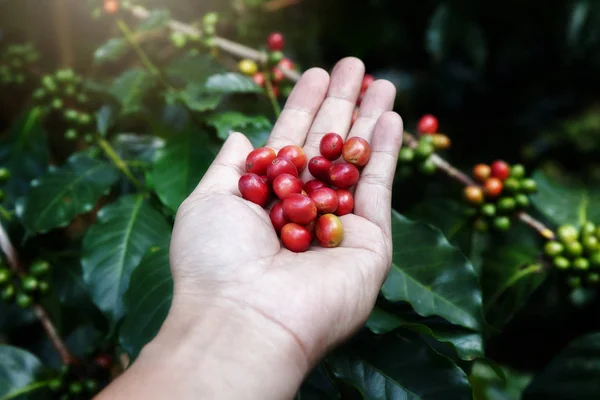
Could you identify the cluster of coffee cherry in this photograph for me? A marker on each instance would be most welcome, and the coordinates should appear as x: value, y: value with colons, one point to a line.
x: 430, y: 140
x: 24, y: 289
x: 79, y: 382
x: 63, y: 99
x: 504, y: 190
x: 306, y: 210
x: 577, y: 252
x: 276, y: 61
x: 14, y: 61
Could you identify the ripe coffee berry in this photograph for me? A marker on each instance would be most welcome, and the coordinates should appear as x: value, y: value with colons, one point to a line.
x: 286, y: 184
x: 277, y: 75
x: 473, y: 194
x: 286, y: 63
x: 259, y: 79
x: 492, y: 187
x: 319, y: 168
x: 299, y: 209
x: 331, y: 146
x: 356, y: 151
x: 428, y: 124
x: 104, y: 361
x: 295, y: 237
x: 277, y: 218
x: 247, y: 67
x: 111, y: 6
x: 280, y: 166
x: 500, y: 170
x: 368, y: 79
x: 275, y: 41
x: 329, y: 230
x: 259, y: 160
x: 295, y: 154
x: 343, y: 175
x: 313, y: 185
x: 482, y: 172
x: 326, y: 200
x: 345, y: 202
x: 254, y: 189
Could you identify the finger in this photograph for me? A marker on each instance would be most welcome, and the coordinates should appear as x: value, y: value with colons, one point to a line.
x: 227, y: 168
x: 336, y: 111
x: 300, y: 109
x: 379, y: 98
x: 373, y: 197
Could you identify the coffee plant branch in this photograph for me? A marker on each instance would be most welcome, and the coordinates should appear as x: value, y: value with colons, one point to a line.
x: 40, y: 312
x: 242, y: 51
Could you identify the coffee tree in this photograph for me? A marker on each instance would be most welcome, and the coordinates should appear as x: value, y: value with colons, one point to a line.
x: 94, y: 168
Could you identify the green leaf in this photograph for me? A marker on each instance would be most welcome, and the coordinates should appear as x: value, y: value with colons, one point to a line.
x: 195, y: 98
x: 318, y: 386
x: 58, y: 196
x: 431, y: 275
x: 436, y: 35
x: 115, y: 245
x: 579, y: 14
x: 488, y: 385
x: 231, y: 82
x: 25, y: 153
x: 130, y: 89
x: 105, y: 119
x: 467, y: 344
x: 256, y: 127
x: 137, y: 147
x: 179, y: 166
x: 147, y: 301
x: 112, y: 50
x: 18, y: 369
x: 192, y: 68
x: 565, y: 202
x: 397, y: 367
x: 159, y: 18
x: 573, y: 374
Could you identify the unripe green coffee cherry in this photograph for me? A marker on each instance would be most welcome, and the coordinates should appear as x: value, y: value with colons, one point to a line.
x: 57, y: 103
x: 44, y: 287
x: 64, y: 75
x: 89, y: 137
x: 488, y: 209
x: 595, y: 259
x: 553, y: 248
x: 39, y: 268
x: 423, y: 150
x: 55, y: 384
x: 581, y: 263
x: 91, y: 385
x: 406, y: 155
x: 5, y: 275
x: 470, y: 211
x: 29, y: 284
x: 71, y: 134
x: 567, y: 233
x: 39, y: 94
x: 593, y: 277
x: 178, y: 39
x: 574, y: 249
x: 561, y: 262
x: 48, y: 83
x: 588, y: 228
x: 286, y: 90
x: 23, y: 300
x: 70, y: 90
x: 522, y: 200
x: 210, y: 18
x: 84, y: 119
x: 275, y: 57
x: 590, y: 243
x: 426, y: 139
x: 501, y: 223
x: 427, y: 167
x: 7, y: 293
x: 82, y: 98
x: 70, y: 114
x: 75, y: 388
x: 4, y: 174
x: 506, y: 204
x: 512, y: 185
x: 481, y: 225
x: 574, y: 281
x: 528, y: 186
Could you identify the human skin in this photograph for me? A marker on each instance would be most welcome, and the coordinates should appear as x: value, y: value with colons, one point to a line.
x: 249, y: 319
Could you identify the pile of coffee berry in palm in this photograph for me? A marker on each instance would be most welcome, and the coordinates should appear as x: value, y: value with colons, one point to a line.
x: 430, y: 140
x: 309, y: 211
x: 577, y: 251
x: 504, y: 190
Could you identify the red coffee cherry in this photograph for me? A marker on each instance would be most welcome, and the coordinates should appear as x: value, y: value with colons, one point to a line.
x: 259, y: 79
x: 428, y: 124
x: 103, y: 360
x: 299, y: 209
x: 368, y: 79
x: 473, y: 195
x: 275, y: 42
x: 286, y: 63
x: 356, y: 151
x: 311, y: 228
x: 331, y: 146
x: 492, y: 187
x: 500, y: 170
x: 343, y: 175
x: 295, y: 154
x: 111, y: 6
x: 254, y: 189
x: 264, y: 178
x: 313, y: 185
x: 277, y: 75
x: 259, y: 160
x: 329, y: 231
x: 325, y: 199
x: 295, y: 237
x: 354, y: 116
x: 482, y: 172
x: 280, y: 166
x: 345, y: 202
x: 319, y: 168
x: 286, y: 184
x: 277, y: 218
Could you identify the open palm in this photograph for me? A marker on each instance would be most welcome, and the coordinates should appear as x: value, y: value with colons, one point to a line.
x: 224, y: 247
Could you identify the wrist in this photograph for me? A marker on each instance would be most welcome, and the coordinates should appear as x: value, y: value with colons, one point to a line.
x: 229, y: 350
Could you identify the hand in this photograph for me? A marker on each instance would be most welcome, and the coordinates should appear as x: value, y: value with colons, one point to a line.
x: 228, y: 264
